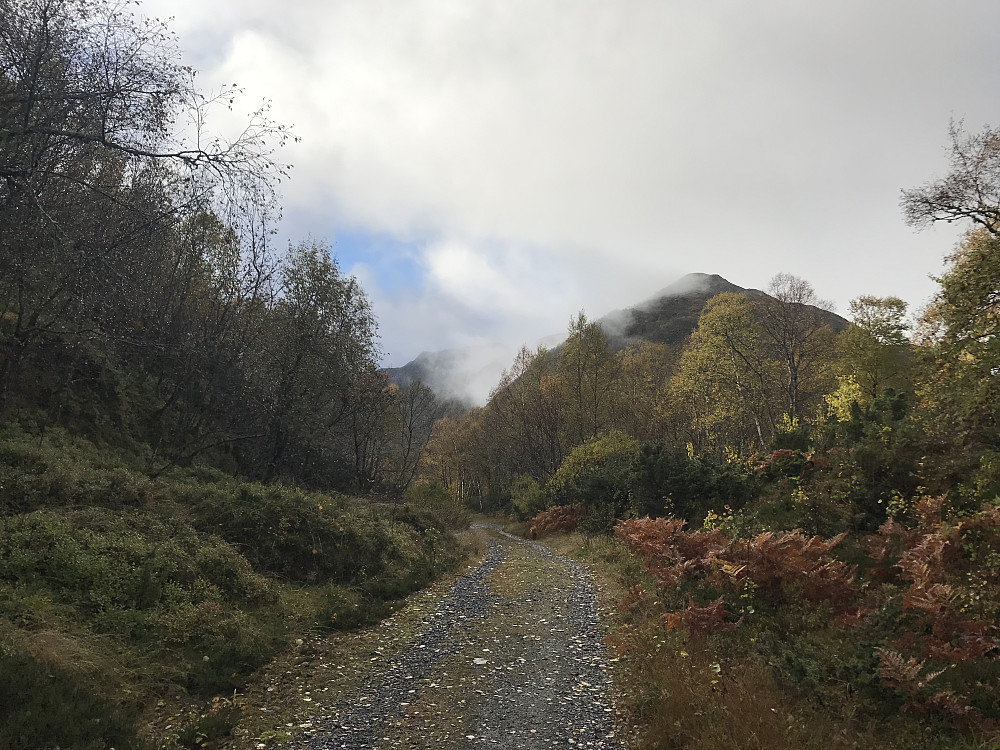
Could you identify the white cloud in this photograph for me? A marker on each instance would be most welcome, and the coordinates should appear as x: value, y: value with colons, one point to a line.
x: 510, y: 280
x: 472, y: 298
x: 546, y: 156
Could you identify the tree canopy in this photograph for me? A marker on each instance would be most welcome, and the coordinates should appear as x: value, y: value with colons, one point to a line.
x: 138, y: 275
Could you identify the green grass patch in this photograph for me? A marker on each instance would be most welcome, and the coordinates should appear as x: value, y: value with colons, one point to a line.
x: 117, y: 590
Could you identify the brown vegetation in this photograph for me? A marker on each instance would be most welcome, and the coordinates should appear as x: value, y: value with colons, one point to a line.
x: 560, y: 519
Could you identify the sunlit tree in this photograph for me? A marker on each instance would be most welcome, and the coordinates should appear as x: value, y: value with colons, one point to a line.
x: 588, y: 369
x: 725, y: 380
x: 874, y: 350
x: 796, y: 332
x: 959, y: 336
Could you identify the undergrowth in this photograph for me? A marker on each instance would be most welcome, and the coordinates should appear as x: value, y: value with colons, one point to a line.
x: 117, y: 589
x: 781, y: 639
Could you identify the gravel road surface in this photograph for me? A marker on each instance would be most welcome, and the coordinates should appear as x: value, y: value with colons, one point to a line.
x: 511, y: 657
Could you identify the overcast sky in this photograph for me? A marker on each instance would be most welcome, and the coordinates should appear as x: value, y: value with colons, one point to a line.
x: 489, y: 168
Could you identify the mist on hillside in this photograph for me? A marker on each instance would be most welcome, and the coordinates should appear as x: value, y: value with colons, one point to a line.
x: 466, y: 374
x: 617, y: 322
x: 470, y: 373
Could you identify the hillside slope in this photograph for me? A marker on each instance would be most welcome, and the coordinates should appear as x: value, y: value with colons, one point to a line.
x: 668, y: 317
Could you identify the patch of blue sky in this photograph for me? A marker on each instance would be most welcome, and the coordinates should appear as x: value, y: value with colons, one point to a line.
x: 395, y: 263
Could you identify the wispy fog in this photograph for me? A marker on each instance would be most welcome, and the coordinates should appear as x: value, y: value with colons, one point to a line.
x: 470, y: 373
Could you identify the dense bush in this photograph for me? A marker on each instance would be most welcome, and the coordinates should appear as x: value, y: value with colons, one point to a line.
x: 790, y: 505
x: 100, y: 560
x: 613, y: 476
x: 54, y: 469
x: 527, y: 496
x: 875, y: 456
x: 668, y: 478
x: 790, y: 434
x: 597, y: 471
x: 151, y: 582
x: 297, y: 535
x: 439, y: 508
x: 598, y: 475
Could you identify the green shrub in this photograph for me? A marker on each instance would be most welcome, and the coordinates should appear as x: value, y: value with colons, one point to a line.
x: 427, y: 494
x: 384, y: 551
x: 598, y: 474
x: 877, y: 454
x: 783, y: 508
x: 157, y: 584
x: 983, y: 485
x: 596, y: 471
x: 528, y: 496
x: 691, y: 485
x: 57, y: 469
x: 790, y: 434
x: 432, y: 498
x: 299, y: 536
x: 601, y: 518
x: 97, y: 558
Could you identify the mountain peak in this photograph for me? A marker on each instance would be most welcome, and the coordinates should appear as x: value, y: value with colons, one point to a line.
x: 696, y: 283
x: 670, y: 315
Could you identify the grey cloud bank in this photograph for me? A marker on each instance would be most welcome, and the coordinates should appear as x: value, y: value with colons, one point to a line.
x: 539, y: 157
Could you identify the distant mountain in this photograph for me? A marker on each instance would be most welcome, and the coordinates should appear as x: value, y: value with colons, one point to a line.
x: 467, y: 374
x: 668, y: 317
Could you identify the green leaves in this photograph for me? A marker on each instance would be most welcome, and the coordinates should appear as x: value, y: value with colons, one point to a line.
x: 960, y: 352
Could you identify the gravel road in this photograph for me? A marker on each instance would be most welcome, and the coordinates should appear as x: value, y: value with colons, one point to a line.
x: 511, y: 657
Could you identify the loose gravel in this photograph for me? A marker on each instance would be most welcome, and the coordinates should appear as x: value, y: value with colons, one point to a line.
x: 511, y: 657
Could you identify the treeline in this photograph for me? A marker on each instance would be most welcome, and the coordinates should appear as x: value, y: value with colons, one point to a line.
x: 141, y: 298
x: 885, y: 408
x: 758, y: 373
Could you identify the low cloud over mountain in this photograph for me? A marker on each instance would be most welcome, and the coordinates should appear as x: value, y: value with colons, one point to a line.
x: 668, y: 317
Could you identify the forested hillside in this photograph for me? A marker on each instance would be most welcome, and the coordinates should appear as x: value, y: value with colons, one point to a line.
x: 181, y: 403
x: 142, y: 299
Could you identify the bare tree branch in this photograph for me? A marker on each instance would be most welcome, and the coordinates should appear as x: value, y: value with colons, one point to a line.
x: 971, y: 189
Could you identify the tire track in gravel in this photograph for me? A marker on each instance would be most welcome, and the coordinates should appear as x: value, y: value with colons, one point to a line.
x: 511, y: 657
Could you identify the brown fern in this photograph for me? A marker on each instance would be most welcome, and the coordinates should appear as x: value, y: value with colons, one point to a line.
x: 772, y: 561
x: 775, y: 561
x: 903, y: 672
x: 558, y: 519
x: 702, y: 619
